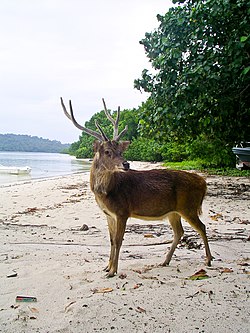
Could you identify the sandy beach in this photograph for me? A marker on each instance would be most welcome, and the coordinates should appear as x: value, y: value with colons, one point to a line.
x: 55, y: 244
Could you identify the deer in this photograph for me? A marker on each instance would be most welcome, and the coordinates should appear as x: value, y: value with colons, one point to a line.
x: 157, y: 194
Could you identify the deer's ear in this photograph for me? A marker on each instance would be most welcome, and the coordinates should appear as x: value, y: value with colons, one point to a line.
x: 96, y: 145
x: 124, y: 145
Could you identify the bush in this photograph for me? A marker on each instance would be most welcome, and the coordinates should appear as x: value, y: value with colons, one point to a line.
x: 214, y: 153
x: 174, y: 152
x: 208, y: 152
x: 142, y: 149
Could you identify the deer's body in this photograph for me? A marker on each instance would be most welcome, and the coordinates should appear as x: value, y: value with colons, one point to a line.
x: 150, y: 195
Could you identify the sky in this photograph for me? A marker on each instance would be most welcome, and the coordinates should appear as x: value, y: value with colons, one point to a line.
x: 83, y: 50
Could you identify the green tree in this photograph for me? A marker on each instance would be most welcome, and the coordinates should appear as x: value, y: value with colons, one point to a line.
x: 200, y: 83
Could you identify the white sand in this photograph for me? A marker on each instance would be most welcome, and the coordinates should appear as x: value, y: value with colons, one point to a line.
x: 61, y: 265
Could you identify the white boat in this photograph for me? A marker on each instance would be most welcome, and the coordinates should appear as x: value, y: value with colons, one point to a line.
x: 14, y: 170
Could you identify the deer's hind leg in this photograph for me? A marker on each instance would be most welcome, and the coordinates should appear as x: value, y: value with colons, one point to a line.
x: 195, y: 222
x: 175, y: 222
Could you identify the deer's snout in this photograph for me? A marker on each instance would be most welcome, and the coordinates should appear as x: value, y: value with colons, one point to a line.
x: 125, y: 165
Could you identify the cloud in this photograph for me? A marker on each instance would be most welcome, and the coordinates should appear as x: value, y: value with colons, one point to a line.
x: 83, y: 50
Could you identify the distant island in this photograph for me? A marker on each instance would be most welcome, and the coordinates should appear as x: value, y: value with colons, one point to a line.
x: 27, y: 143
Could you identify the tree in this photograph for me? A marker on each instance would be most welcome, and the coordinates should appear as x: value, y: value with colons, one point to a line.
x: 200, y: 83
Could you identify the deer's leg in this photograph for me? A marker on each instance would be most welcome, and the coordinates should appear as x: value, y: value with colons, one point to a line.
x: 196, y: 223
x: 118, y: 229
x: 175, y: 221
x: 111, y: 226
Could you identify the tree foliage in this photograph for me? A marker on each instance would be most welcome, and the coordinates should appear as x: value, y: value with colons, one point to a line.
x: 199, y: 85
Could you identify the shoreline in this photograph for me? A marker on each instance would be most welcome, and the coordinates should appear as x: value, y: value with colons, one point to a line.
x: 55, y: 244
x: 28, y: 181
x: 43, y: 165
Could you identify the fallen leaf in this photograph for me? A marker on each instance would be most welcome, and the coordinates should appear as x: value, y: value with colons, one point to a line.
x: 227, y: 270
x: 149, y: 236
x: 102, y: 290
x: 200, y: 275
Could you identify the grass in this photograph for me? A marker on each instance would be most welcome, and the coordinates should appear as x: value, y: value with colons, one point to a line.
x: 199, y: 165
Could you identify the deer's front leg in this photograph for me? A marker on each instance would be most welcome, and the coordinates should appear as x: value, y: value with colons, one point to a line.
x: 116, y: 229
x: 111, y: 224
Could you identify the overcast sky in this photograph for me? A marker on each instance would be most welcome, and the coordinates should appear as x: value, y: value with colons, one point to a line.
x: 78, y: 49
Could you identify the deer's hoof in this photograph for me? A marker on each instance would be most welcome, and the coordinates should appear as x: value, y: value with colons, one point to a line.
x: 164, y: 264
x: 208, y: 263
x: 110, y: 274
x: 106, y: 269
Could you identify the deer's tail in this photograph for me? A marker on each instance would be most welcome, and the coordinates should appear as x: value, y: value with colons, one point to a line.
x: 201, y: 201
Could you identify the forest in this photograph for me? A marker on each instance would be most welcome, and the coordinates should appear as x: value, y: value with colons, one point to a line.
x: 27, y: 143
x: 198, y: 84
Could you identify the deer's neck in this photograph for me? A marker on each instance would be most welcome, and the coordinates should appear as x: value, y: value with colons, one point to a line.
x: 101, y: 179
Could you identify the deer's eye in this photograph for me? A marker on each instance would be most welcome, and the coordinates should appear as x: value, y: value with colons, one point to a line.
x: 107, y: 153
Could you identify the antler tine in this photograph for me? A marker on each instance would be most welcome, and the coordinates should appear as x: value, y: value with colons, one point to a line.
x: 115, y: 122
x: 104, y: 136
x: 107, y: 113
x: 65, y: 110
x: 116, y: 130
x: 82, y: 128
x: 112, y: 120
x: 123, y: 132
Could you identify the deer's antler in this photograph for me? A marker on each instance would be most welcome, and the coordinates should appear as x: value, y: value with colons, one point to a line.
x: 115, y: 122
x: 100, y: 136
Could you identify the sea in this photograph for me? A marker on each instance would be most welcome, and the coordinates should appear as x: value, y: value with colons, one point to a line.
x: 43, y: 165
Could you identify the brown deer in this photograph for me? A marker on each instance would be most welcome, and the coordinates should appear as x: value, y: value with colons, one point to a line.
x: 149, y: 195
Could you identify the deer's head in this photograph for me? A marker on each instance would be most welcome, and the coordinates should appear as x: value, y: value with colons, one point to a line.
x: 108, y: 152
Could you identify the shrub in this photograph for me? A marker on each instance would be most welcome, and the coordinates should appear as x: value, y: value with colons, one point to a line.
x: 142, y: 149
x: 174, y: 152
x: 214, y: 153
x: 208, y: 152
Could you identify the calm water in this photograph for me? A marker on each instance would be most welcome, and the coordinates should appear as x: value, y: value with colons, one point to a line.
x: 43, y: 165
